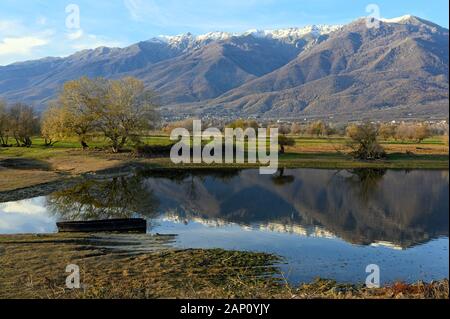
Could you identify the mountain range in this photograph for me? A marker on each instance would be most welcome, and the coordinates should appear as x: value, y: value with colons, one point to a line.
x: 396, y: 70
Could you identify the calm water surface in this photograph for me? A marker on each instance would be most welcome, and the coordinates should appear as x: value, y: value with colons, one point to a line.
x: 323, y: 223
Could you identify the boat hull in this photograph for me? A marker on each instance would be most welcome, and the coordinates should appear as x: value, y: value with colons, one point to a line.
x: 135, y: 225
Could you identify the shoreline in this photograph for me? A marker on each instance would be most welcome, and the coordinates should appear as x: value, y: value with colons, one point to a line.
x: 109, y: 270
x: 22, y: 172
x: 34, y: 187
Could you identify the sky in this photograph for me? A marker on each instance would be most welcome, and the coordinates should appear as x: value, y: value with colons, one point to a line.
x: 31, y: 29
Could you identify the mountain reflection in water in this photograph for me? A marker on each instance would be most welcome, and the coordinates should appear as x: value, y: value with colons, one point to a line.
x: 361, y: 206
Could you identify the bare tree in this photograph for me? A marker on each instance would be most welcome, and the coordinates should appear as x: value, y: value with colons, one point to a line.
x: 284, y: 129
x: 4, y: 124
x: 120, y: 110
x: 187, y: 124
x: 364, y: 142
x: 243, y: 124
x: 127, y: 112
x: 387, y: 131
x: 316, y: 128
x: 284, y: 141
x: 23, y: 124
x: 421, y: 132
x: 413, y: 132
x: 296, y: 129
x: 78, y: 101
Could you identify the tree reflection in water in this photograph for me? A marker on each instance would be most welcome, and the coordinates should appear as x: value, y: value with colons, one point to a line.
x: 361, y: 206
x: 280, y: 179
x: 120, y: 197
x: 365, y: 181
x: 187, y: 178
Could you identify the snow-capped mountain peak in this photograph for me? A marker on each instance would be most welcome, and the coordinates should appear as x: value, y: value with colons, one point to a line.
x: 413, y: 20
x: 401, y: 19
x: 298, y: 33
x: 216, y: 36
x: 293, y: 34
x: 287, y: 35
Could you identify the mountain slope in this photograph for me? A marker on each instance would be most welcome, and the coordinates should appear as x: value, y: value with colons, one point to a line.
x: 38, y: 81
x: 402, y: 64
x: 351, y: 71
x: 182, y: 68
x: 216, y: 68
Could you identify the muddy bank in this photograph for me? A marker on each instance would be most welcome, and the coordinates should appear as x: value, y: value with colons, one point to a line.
x: 37, y: 176
x: 36, y: 190
x: 22, y: 184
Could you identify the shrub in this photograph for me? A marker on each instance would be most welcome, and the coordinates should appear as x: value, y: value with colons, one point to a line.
x: 364, y: 142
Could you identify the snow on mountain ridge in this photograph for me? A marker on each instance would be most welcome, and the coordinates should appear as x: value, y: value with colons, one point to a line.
x: 398, y: 19
x: 315, y: 30
x: 289, y: 34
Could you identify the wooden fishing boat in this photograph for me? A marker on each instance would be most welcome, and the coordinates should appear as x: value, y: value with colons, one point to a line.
x: 137, y: 225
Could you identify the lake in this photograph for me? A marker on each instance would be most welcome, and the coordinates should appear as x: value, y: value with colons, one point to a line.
x: 323, y: 223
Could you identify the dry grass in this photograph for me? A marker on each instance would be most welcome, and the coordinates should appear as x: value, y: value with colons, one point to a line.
x: 333, y: 145
x: 11, y: 179
x: 34, y: 267
x: 77, y: 163
x: 418, y: 149
x: 321, y: 288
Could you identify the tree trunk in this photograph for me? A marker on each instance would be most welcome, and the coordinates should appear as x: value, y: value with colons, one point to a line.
x: 4, y: 141
x: 123, y: 141
x: 28, y: 142
x: 84, y: 145
x: 48, y: 142
x: 115, y: 146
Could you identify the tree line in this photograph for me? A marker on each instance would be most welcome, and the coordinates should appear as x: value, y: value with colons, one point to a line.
x: 413, y: 131
x: 362, y: 138
x: 118, y: 110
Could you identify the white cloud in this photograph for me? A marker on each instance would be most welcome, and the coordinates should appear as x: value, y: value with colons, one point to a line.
x: 20, y: 45
x: 141, y: 10
x: 26, y: 216
x: 19, y: 42
x: 91, y: 41
x: 27, y: 206
x: 8, y: 25
x: 133, y: 8
x: 75, y: 35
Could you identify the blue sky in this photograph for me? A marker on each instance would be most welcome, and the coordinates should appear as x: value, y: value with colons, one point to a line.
x: 32, y: 29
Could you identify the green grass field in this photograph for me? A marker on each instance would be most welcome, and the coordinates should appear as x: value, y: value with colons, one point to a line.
x: 307, y: 152
x: 38, y: 142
